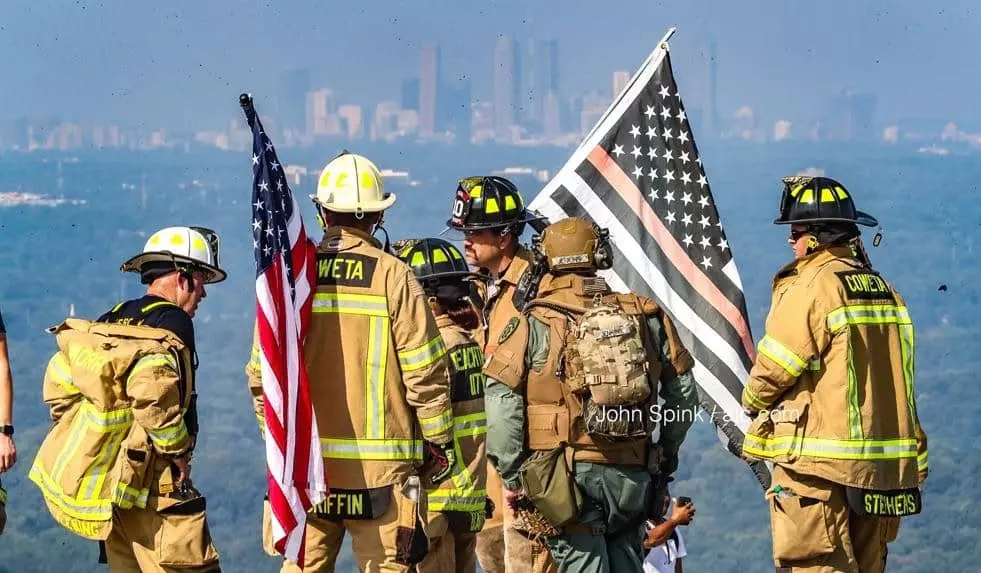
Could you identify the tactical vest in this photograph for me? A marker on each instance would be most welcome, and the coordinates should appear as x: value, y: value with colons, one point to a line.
x: 95, y: 457
x: 554, y: 412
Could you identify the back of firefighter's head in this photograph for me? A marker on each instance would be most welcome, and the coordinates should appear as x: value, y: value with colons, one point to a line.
x: 821, y: 214
x: 575, y: 245
x: 176, y: 263
x: 351, y: 193
x: 445, y: 278
x: 490, y: 214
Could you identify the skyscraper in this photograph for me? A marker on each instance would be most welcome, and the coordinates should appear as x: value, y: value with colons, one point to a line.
x: 410, y: 93
x: 430, y: 75
x: 507, y: 100
x: 293, y: 99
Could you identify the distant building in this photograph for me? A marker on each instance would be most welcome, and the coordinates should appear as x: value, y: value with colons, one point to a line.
x: 410, y: 93
x: 507, y: 71
x: 430, y: 76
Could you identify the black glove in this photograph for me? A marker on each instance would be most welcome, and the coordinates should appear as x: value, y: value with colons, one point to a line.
x: 443, y: 458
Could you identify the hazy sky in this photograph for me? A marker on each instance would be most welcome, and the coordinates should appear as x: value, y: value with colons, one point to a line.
x: 182, y: 64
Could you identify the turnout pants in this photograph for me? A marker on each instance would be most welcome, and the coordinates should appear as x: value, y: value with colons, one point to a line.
x: 392, y: 542
x: 490, y: 540
x: 451, y: 549
x: 814, y: 530
x: 609, y: 533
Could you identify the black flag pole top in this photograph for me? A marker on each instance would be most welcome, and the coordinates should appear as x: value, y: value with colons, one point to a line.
x: 248, y: 106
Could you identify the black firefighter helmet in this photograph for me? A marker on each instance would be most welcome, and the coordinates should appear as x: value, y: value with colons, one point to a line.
x: 818, y: 200
x: 439, y: 267
x: 488, y: 202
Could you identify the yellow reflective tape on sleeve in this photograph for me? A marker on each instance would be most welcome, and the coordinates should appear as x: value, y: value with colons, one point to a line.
x: 151, y: 361
x: 783, y: 356
x: 422, y: 356
x: 921, y: 462
x: 753, y: 399
x: 61, y: 373
x: 866, y: 450
x: 436, y: 425
x: 384, y: 450
x: 168, y: 438
x: 347, y: 303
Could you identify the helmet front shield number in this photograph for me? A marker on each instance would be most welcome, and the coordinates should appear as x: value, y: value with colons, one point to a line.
x: 214, y: 243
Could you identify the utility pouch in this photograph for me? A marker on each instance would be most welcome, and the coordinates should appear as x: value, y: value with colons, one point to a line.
x: 184, y: 539
x: 884, y: 503
x: 549, y: 484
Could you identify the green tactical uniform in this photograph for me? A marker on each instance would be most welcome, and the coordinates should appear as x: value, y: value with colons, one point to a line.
x: 530, y: 409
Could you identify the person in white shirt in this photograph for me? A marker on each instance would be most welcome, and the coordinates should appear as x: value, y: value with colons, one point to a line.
x: 664, y: 544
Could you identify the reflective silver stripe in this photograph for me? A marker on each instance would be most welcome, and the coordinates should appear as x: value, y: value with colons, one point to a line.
x: 922, y: 462
x: 783, y: 356
x: 80, y: 509
x: 453, y: 500
x: 907, y: 349
x: 470, y: 425
x: 378, y: 335
x: 831, y: 449
x: 370, y: 305
x: 867, y: 314
x: 424, y: 355
x: 854, y: 409
x: 342, y: 448
x: 435, y: 425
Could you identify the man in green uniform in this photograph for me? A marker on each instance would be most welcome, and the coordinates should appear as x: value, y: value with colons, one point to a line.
x: 574, y: 382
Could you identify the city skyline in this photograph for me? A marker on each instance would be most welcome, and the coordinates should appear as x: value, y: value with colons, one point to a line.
x: 154, y: 65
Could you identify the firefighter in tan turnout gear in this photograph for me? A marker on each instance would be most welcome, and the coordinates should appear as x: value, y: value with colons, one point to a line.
x: 571, y: 399
x: 115, y: 466
x: 832, y: 393
x: 378, y: 376
x: 490, y: 213
x: 458, y: 506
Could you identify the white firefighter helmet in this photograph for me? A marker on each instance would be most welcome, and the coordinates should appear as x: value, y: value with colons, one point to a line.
x: 351, y: 183
x: 178, y: 248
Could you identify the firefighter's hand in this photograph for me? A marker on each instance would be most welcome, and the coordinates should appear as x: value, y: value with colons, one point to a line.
x: 183, y: 466
x: 511, y: 497
x: 443, y: 458
x: 489, y: 508
x: 8, y: 453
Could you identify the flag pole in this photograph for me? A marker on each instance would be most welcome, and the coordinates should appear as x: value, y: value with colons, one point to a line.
x: 662, y: 45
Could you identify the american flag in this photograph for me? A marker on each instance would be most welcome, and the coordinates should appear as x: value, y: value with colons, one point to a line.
x: 285, y: 275
x: 638, y: 173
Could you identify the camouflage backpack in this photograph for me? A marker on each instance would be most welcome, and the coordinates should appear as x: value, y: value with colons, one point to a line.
x: 606, y: 365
